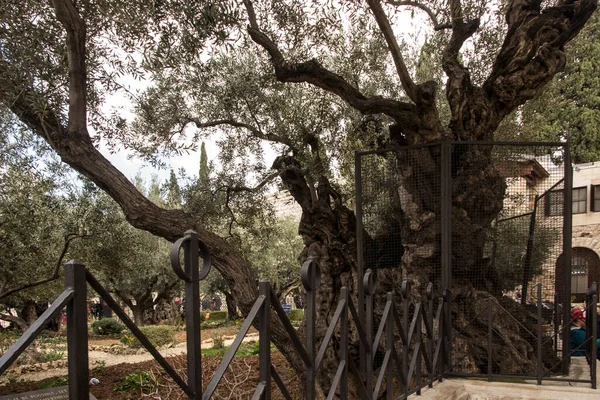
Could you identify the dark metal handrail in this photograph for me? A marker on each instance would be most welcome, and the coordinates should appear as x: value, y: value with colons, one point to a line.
x: 266, y: 306
x: 34, y: 330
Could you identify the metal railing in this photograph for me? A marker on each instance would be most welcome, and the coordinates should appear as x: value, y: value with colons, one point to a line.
x: 410, y: 344
x: 403, y: 345
x: 536, y: 335
x: 419, y: 344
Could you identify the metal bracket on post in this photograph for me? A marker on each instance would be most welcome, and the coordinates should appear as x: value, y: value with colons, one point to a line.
x: 77, y: 334
x: 192, y: 277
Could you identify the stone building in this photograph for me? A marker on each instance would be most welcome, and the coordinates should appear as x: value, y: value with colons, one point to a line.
x: 585, y: 260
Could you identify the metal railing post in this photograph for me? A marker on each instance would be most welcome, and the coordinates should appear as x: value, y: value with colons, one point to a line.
x: 360, y: 267
x: 419, y: 354
x: 446, y: 331
x: 192, y: 276
x: 539, y: 335
x: 429, y: 323
x: 446, y: 235
x: 264, y: 341
x: 405, y: 291
x: 594, y: 330
x: 566, y: 259
x: 389, y: 344
x: 77, y: 334
x: 311, y: 277
x: 369, y: 289
x: 490, y: 332
x: 192, y: 314
x: 344, y: 345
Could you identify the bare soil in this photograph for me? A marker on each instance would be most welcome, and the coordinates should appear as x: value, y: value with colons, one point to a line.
x: 238, y: 383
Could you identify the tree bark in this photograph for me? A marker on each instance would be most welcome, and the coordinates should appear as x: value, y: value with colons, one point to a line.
x: 138, y: 314
x: 232, y: 314
x: 19, y: 322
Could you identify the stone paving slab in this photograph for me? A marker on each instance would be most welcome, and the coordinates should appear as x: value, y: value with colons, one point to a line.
x: 470, y: 389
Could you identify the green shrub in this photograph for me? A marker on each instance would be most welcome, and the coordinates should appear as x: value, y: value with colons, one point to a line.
x: 7, y: 338
x: 107, y: 326
x: 296, y: 315
x: 137, y: 380
x: 158, y: 335
x: 218, y: 316
x: 52, y: 355
x: 218, y: 340
x: 54, y: 382
x: 212, y: 324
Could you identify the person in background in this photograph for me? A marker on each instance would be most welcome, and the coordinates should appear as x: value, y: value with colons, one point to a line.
x: 597, y: 321
x: 578, y: 334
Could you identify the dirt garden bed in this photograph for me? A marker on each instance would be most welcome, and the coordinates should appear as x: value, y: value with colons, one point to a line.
x: 125, y: 381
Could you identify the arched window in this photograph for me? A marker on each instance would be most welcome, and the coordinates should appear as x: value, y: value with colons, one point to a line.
x: 579, y: 274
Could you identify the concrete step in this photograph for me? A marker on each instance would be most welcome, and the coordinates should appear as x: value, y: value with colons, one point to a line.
x: 471, y: 389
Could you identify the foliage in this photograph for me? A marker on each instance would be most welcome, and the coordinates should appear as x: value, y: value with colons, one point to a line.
x: 7, y: 338
x: 218, y: 315
x: 296, y: 315
x: 137, y: 380
x: 569, y: 107
x: 37, y: 223
x: 49, y: 355
x: 132, y: 263
x: 55, y: 382
x: 107, y: 326
x: 158, y: 335
x: 218, y: 340
x: 510, y: 238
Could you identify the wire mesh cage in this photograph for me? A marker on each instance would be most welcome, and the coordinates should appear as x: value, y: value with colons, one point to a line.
x: 485, y: 221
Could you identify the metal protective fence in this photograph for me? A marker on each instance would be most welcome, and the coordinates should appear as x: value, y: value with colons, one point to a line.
x: 489, y: 222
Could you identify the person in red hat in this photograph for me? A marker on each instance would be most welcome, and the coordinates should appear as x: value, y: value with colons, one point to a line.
x: 578, y: 335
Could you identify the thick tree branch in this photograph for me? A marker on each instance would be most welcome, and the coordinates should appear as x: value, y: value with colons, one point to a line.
x: 460, y: 92
x: 55, y: 273
x: 69, y: 17
x: 163, y: 294
x: 314, y: 73
x: 20, y: 322
x: 291, y: 175
x: 384, y: 25
x: 267, y: 179
x: 256, y: 132
x: 125, y: 299
x: 437, y: 26
x: 533, y: 50
x: 80, y: 154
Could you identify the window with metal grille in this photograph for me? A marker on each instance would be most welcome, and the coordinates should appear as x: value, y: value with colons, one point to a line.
x: 579, y: 275
x: 554, y: 203
x: 579, y: 200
